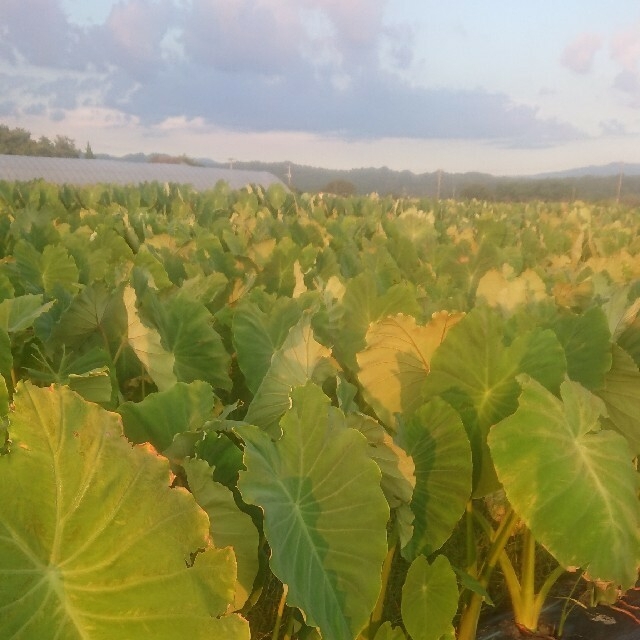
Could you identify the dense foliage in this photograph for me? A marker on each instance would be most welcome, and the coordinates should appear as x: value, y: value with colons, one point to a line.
x: 20, y: 143
x: 321, y: 415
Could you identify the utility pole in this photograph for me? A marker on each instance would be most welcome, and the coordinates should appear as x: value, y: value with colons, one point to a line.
x: 439, y: 184
x: 620, y: 183
x: 288, y: 175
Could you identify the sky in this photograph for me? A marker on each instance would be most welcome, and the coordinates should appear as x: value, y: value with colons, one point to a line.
x: 508, y: 87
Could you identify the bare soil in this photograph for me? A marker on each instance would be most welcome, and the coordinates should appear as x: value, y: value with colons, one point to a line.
x: 620, y: 621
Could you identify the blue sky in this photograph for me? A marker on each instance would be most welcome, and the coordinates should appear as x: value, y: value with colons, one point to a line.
x: 508, y: 87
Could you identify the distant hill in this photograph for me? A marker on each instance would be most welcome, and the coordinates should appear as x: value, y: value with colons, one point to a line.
x: 604, y: 170
x: 590, y: 183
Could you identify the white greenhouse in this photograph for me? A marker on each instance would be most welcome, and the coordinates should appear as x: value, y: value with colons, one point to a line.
x: 79, y: 171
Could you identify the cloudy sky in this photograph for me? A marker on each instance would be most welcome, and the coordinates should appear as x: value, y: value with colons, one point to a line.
x: 504, y: 86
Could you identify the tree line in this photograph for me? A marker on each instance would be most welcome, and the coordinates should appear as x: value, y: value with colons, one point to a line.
x: 385, y: 181
x: 18, y: 142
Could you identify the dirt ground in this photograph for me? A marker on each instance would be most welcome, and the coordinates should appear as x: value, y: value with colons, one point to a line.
x: 616, y: 622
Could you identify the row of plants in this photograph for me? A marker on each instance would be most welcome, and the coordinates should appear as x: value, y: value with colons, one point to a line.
x: 238, y: 414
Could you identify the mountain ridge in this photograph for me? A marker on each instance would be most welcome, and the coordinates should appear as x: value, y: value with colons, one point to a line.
x: 611, y: 181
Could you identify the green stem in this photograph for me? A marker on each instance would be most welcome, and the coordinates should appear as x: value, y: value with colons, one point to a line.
x: 512, y: 583
x: 550, y: 580
x: 469, y: 619
x: 526, y: 605
x: 376, y: 616
x: 123, y: 342
x: 502, y: 535
x: 528, y: 617
x: 472, y: 551
x: 289, y: 628
x: 276, y: 626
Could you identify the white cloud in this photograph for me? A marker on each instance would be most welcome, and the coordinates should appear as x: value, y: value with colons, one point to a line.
x: 625, y: 51
x: 330, y: 67
x: 579, y: 54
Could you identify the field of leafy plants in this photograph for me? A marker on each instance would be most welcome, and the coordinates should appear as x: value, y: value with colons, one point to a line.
x: 254, y: 414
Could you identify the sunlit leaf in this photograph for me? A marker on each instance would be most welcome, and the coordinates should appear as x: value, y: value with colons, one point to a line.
x: 160, y: 416
x: 396, y: 362
x: 292, y: 365
x: 621, y: 395
x: 145, y: 343
x: 17, y: 314
x: 362, y: 304
x: 229, y: 526
x: 475, y: 372
x: 507, y: 291
x: 562, y: 473
x: 93, y: 541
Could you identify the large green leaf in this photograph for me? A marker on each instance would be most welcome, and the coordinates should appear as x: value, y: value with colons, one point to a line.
x: 145, y: 343
x: 257, y: 335
x: 572, y: 483
x: 44, y: 272
x: 18, y: 314
x: 396, y: 361
x: 277, y: 276
x: 87, y: 313
x: 474, y: 370
x: 621, y: 395
x: 587, y: 344
x: 154, y: 272
x: 429, y: 598
x: 325, y: 515
x: 436, y: 440
x: 362, y: 304
x: 397, y: 468
x: 293, y: 365
x: 186, y: 330
x: 229, y: 526
x: 93, y: 541
x: 160, y: 416
x: 57, y: 268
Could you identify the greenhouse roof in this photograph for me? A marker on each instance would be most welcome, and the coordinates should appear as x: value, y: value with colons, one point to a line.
x: 79, y: 171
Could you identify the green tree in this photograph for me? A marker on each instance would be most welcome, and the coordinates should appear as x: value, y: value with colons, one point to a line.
x: 64, y: 147
x: 88, y: 153
x: 20, y: 143
x: 14, y: 141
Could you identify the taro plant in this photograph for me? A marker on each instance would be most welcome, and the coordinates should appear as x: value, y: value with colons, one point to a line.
x: 283, y: 401
x: 534, y: 434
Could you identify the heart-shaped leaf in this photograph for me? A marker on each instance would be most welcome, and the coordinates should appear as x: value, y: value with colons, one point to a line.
x: 325, y: 515
x: 571, y: 482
